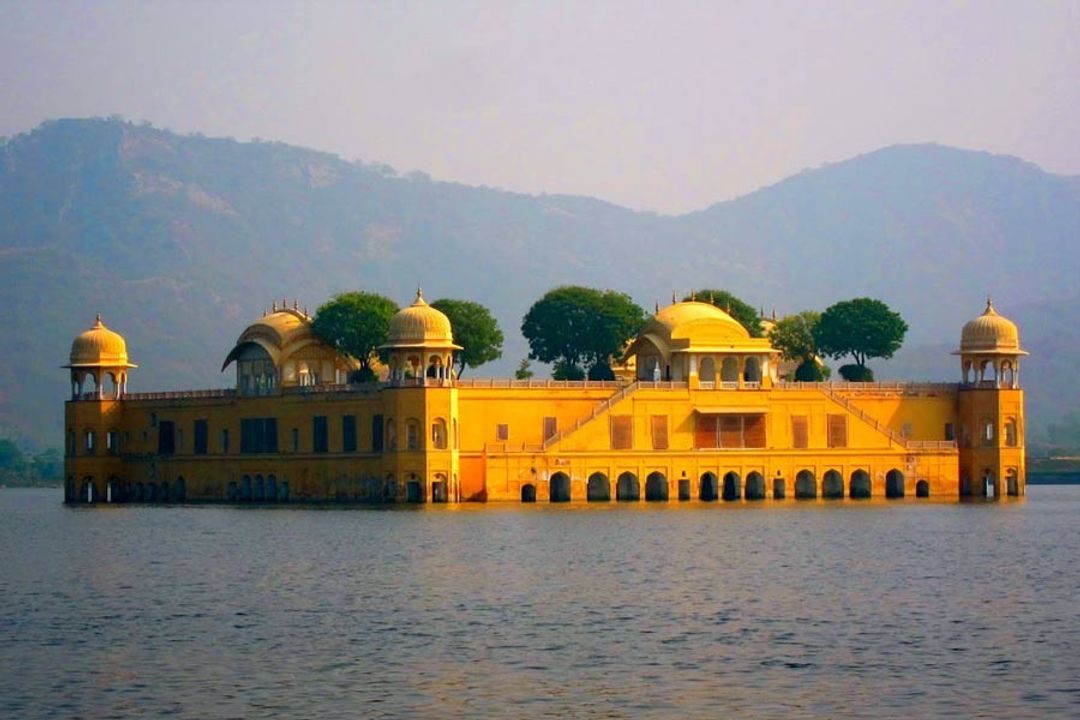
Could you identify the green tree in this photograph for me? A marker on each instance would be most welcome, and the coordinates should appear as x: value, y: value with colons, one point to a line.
x: 524, y: 370
x: 793, y: 336
x: 743, y: 313
x: 863, y: 328
x: 474, y: 329
x: 579, y: 329
x: 356, y: 323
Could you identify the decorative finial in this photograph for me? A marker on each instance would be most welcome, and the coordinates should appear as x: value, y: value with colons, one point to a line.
x: 657, y: 306
x: 296, y: 304
x: 273, y: 306
x: 419, y: 293
x: 673, y: 300
x: 728, y: 309
x: 98, y: 319
x: 305, y: 312
x: 774, y: 313
x: 761, y: 311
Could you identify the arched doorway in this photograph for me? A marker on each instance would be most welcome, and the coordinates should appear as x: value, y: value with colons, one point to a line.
x: 283, y: 493
x: 440, y: 489
x: 752, y: 373
x: 729, y: 370
x: 598, y: 488
x: 684, y: 488
x: 656, y: 487
x: 88, y: 493
x: 732, y: 486
x: 627, y: 487
x: 894, y: 484
x: 860, y: 485
x: 113, y: 490
x: 779, y: 489
x: 708, y: 491
x: 271, y: 488
x: 245, y: 489
x: 559, y: 488
x: 755, y: 486
x: 528, y: 493
x: 989, y: 485
x: 922, y: 489
x: 414, y: 493
x: 832, y: 485
x: 180, y: 490
x: 258, y: 494
x: 1012, y: 483
x: 805, y: 485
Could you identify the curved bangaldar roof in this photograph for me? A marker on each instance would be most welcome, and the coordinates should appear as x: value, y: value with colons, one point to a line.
x: 693, y: 326
x: 98, y: 347
x: 280, y: 333
x: 990, y: 334
x: 420, y: 325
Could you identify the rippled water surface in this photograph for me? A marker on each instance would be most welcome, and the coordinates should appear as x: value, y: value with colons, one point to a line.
x: 790, y: 610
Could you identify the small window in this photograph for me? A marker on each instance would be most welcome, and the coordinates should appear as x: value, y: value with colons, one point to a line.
x: 89, y: 441
x: 800, y: 432
x: 950, y: 431
x: 202, y: 438
x: 320, y: 436
x: 837, y: 431
x: 112, y: 442
x: 412, y: 434
x: 1010, y: 433
x: 438, y: 434
x: 294, y: 436
x: 225, y: 441
x: 622, y: 432
x: 502, y: 432
x: 166, y: 437
x: 659, y: 432
x: 377, y: 433
x: 551, y: 426
x: 348, y: 433
x: 906, y: 430
x: 988, y: 432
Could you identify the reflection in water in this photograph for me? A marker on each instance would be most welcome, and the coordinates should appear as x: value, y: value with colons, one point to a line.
x: 822, y: 608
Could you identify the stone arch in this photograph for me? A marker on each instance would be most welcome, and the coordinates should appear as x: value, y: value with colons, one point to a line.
x: 860, y: 488
x: 989, y: 487
x: 113, y: 490
x: 922, y: 489
x: 805, y: 485
x: 968, y: 371
x: 440, y: 489
x: 1011, y: 436
x: 729, y: 370
x: 707, y: 489
x: 627, y: 487
x: 1012, y: 482
x: 656, y: 487
x: 414, y: 490
x: 832, y: 485
x: 559, y: 488
x: 732, y: 486
x: 707, y: 369
x: 598, y: 488
x: 755, y: 486
x: 412, y: 435
x: 894, y: 484
x: 88, y: 493
x: 528, y: 493
x: 752, y: 371
x: 1008, y: 374
x: 779, y: 489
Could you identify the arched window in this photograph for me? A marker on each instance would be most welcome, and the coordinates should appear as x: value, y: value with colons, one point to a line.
x: 89, y: 441
x: 438, y: 434
x: 707, y: 370
x: 412, y: 434
x: 753, y: 370
x: 987, y: 434
x: 1010, y: 432
x: 729, y: 370
x: 391, y: 434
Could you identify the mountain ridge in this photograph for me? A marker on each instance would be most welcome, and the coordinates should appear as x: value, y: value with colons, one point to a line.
x: 183, y: 240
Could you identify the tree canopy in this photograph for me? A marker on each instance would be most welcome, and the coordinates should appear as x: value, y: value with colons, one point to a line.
x: 793, y: 336
x: 743, y: 312
x: 356, y: 323
x: 578, y: 328
x: 862, y: 328
x: 475, y: 330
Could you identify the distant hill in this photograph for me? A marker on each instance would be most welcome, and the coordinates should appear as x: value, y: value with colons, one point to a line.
x: 181, y: 240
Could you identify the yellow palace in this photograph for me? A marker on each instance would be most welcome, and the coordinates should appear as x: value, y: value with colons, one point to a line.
x: 703, y: 416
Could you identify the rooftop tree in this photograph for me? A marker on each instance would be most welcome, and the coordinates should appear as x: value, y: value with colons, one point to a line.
x: 863, y: 328
x: 793, y: 336
x: 356, y: 324
x: 580, y: 329
x: 474, y: 329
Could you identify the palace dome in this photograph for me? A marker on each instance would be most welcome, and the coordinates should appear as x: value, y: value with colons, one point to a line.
x: 99, y: 347
x: 990, y: 332
x: 420, y: 324
x: 685, y: 319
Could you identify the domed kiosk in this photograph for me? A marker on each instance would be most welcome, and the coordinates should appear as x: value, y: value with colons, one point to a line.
x: 420, y: 345
x: 97, y: 355
x: 280, y: 349
x: 700, y: 343
x: 990, y: 350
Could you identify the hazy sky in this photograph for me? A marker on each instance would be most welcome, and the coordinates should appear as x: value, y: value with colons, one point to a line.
x: 666, y: 106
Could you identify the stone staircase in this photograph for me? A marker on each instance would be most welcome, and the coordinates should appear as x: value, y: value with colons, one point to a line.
x: 597, y: 411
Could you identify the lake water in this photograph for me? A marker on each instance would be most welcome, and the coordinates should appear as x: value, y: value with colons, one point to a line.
x: 775, y: 610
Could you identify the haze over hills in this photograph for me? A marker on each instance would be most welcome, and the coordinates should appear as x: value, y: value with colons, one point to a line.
x: 180, y: 241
